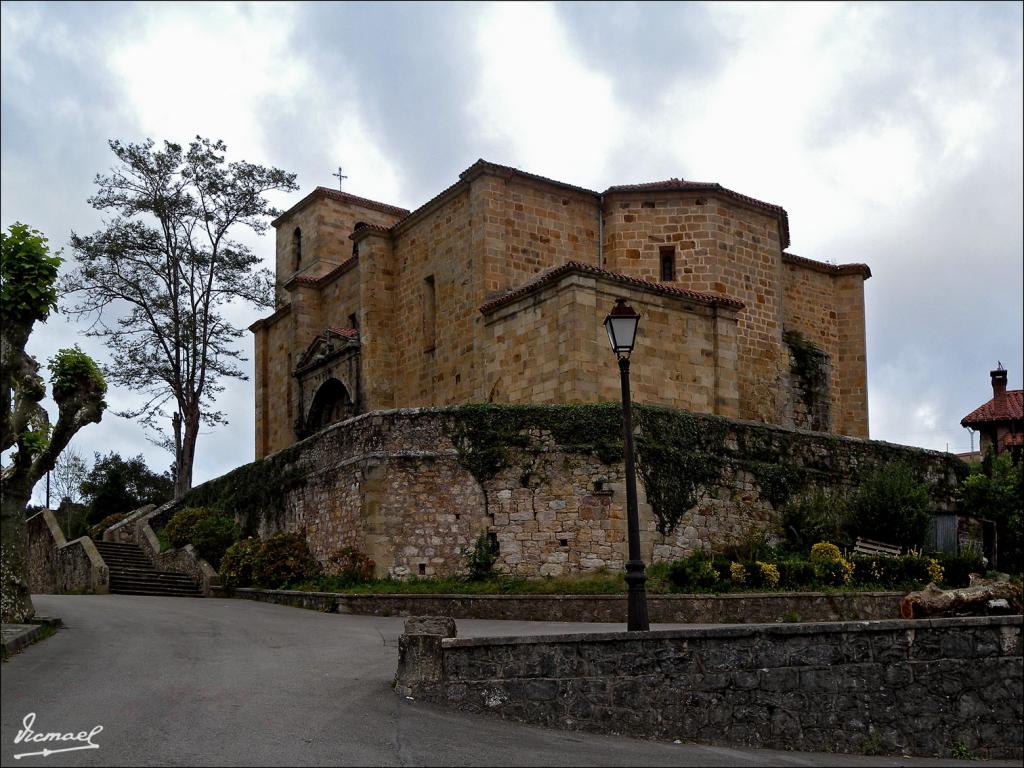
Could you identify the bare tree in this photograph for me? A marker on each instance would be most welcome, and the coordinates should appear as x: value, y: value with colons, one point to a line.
x: 157, y: 278
x: 68, y: 475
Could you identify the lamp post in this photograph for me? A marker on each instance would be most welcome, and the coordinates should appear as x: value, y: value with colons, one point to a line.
x: 621, y: 325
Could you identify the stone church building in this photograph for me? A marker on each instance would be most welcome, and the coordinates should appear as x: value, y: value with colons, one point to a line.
x: 495, y: 290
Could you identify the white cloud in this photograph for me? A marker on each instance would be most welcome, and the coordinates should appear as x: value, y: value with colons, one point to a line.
x: 208, y: 70
x: 536, y: 104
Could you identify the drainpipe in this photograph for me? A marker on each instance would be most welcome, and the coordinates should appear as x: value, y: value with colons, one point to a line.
x: 600, y: 232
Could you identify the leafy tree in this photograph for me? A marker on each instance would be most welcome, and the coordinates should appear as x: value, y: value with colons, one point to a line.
x: 28, y: 273
x: 169, y: 260
x: 68, y: 475
x: 995, y: 491
x: 890, y: 505
x: 118, y: 486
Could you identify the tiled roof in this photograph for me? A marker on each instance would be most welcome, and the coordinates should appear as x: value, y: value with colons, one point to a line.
x: 554, y: 274
x: 482, y: 165
x: 326, y: 277
x: 1012, y: 410
x: 358, y: 233
x: 348, y: 333
x: 344, y: 197
x: 833, y: 269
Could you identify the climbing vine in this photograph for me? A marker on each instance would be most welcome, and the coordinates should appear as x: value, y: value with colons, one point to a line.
x: 253, y: 491
x: 808, y: 362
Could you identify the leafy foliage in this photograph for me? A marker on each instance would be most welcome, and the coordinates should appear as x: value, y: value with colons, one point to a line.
x: 815, y: 515
x: 168, y: 262
x: 236, y: 566
x: 212, y: 535
x: 28, y: 275
x: 350, y: 566
x: 27, y: 294
x: 122, y: 485
x: 181, y: 528
x: 995, y: 491
x: 830, y: 567
x: 284, y: 558
x: 481, y: 557
x: 96, y: 531
x: 891, y: 505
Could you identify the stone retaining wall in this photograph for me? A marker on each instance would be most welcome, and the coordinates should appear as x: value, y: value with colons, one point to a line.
x: 919, y: 687
x: 397, y: 486
x: 662, y: 609
x: 58, y: 566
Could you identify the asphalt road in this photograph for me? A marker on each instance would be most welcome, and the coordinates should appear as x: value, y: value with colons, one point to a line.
x: 177, y: 681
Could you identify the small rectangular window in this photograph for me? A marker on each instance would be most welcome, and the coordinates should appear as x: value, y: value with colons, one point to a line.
x: 353, y: 321
x: 668, y: 264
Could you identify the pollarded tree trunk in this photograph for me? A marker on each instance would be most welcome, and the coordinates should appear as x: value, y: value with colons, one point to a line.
x: 16, y: 598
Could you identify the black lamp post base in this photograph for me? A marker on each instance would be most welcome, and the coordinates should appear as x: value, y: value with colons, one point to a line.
x: 636, y: 578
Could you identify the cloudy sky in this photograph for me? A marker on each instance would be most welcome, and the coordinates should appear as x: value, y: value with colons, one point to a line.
x: 891, y: 133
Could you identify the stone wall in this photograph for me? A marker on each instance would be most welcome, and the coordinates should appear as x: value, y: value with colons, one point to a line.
x: 414, y: 488
x: 920, y: 687
x: 747, y: 608
x: 58, y: 566
x: 549, y: 346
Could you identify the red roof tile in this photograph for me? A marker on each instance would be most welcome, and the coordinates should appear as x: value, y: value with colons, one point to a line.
x: 821, y: 266
x: 348, y: 333
x: 576, y: 266
x: 1012, y: 410
x: 344, y: 197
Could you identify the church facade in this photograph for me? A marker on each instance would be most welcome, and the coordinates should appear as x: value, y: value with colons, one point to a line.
x: 495, y: 290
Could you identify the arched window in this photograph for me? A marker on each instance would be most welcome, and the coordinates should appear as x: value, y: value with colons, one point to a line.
x: 297, y: 248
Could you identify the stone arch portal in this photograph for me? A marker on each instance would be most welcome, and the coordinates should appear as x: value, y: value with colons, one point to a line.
x: 331, y: 403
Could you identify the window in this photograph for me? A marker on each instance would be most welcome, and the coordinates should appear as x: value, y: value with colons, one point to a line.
x: 297, y: 248
x: 353, y: 321
x: 668, y: 263
x: 429, y: 314
x: 355, y: 246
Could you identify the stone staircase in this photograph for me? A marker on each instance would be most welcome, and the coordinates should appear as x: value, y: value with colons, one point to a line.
x: 132, y: 573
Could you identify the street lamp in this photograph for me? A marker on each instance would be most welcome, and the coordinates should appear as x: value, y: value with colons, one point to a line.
x: 621, y: 325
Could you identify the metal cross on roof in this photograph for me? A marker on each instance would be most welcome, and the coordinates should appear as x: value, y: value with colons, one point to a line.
x: 341, y: 177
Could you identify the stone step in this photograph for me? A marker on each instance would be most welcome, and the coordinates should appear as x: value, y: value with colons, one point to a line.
x: 156, y: 592
x: 170, y: 581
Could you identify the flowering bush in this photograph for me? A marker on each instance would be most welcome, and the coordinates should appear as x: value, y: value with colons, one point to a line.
x: 768, y: 574
x: 738, y: 574
x: 830, y: 567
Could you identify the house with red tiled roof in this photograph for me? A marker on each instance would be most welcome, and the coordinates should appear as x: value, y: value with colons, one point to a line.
x: 495, y: 290
x: 1000, y: 421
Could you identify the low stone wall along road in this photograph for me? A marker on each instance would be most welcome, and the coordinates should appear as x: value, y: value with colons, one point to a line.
x: 236, y: 682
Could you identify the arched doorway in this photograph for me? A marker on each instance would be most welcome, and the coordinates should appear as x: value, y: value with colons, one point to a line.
x: 331, y: 403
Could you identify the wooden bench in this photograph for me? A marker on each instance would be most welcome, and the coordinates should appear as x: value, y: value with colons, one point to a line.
x: 872, y: 547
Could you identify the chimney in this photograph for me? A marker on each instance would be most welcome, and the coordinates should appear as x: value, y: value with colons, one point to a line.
x: 999, y: 389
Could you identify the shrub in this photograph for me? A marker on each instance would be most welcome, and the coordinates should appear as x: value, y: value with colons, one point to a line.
x: 912, y: 569
x: 236, y: 566
x: 795, y: 573
x: 212, y: 535
x: 765, y: 574
x: 995, y: 491
x: 283, y: 558
x: 815, y: 515
x: 481, y: 557
x: 890, y: 505
x: 180, y: 528
x: 692, y: 572
x: 830, y: 567
x: 751, y: 546
x: 738, y: 574
x: 958, y: 568
x: 350, y: 566
x: 97, y: 530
